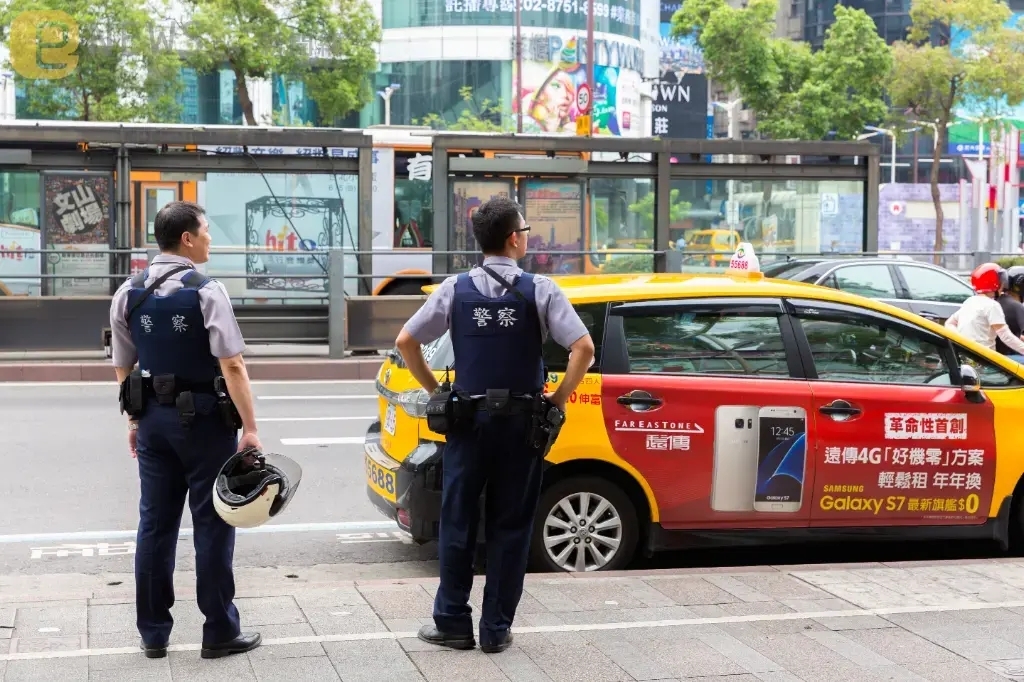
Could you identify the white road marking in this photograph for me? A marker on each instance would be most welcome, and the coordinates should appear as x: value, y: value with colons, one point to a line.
x: 362, y: 396
x: 342, y: 440
x: 579, y: 627
x: 311, y: 419
x: 254, y: 382
x: 87, y: 551
x: 75, y: 536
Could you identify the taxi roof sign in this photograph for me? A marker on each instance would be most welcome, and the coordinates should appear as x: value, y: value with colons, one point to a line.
x: 745, y: 260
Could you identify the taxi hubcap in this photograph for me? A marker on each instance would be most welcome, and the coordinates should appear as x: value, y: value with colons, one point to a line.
x: 582, y: 532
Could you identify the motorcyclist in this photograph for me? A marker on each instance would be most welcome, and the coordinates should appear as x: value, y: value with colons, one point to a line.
x: 1013, y: 310
x: 981, y: 318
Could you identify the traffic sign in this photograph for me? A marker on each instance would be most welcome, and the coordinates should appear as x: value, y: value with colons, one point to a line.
x: 583, y: 125
x: 583, y: 99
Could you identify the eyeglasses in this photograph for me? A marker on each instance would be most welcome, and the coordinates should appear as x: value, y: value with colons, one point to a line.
x: 521, y: 229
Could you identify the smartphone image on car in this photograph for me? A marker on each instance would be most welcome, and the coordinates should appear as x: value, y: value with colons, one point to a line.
x: 735, y: 468
x: 781, y: 459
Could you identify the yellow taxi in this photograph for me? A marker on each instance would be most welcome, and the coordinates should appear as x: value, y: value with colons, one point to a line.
x: 734, y: 408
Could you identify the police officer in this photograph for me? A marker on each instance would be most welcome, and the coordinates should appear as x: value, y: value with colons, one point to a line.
x: 498, y: 317
x: 177, y: 323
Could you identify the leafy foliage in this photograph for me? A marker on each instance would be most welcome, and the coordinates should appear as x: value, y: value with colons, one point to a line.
x: 484, y: 116
x: 931, y: 82
x: 628, y: 263
x: 327, y: 44
x: 678, y: 210
x: 793, y: 92
x: 120, y: 74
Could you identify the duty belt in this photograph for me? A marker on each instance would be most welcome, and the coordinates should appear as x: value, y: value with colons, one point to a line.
x: 519, y: 403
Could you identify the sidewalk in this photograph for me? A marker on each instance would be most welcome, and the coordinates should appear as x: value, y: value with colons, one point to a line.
x: 265, y: 362
x: 956, y: 621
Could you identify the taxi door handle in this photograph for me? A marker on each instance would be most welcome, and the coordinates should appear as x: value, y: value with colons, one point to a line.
x: 639, y: 398
x: 839, y: 410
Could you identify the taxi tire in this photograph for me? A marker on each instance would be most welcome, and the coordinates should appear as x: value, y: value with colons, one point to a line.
x: 551, y: 495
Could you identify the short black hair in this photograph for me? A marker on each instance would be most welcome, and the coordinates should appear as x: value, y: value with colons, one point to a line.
x: 494, y: 222
x: 175, y: 219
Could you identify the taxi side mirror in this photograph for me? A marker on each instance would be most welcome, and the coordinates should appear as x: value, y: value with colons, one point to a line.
x: 970, y: 383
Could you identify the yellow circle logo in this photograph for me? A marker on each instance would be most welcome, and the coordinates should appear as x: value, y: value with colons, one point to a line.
x: 43, y: 44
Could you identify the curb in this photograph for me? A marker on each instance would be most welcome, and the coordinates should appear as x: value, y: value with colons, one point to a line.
x: 259, y: 370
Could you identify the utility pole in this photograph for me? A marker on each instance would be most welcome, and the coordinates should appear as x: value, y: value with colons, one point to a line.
x: 590, y: 62
x: 519, y: 67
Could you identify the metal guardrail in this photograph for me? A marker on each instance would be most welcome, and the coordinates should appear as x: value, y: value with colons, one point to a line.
x: 345, y: 323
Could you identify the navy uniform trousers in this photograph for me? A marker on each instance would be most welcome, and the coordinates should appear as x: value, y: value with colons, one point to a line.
x: 173, y: 461
x: 494, y: 454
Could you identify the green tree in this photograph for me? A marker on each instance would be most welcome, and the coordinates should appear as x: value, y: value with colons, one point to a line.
x: 484, y: 116
x: 326, y: 44
x: 930, y: 82
x: 795, y: 93
x: 120, y: 75
x: 678, y: 210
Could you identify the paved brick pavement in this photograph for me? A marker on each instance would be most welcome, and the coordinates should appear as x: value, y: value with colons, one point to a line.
x: 955, y: 621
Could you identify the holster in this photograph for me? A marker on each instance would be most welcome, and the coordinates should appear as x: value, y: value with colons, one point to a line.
x: 449, y: 410
x: 131, y: 395
x: 186, y: 404
x: 226, y: 406
x: 545, y: 425
x: 163, y: 388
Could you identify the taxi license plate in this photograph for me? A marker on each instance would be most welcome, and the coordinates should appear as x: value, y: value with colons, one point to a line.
x: 380, y: 479
x: 390, y: 420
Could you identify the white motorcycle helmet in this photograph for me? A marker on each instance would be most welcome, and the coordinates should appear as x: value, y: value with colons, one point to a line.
x: 254, y: 487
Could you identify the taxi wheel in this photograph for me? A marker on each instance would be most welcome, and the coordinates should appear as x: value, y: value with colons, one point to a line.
x: 583, y: 524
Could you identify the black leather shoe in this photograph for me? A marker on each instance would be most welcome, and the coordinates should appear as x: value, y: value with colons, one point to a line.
x: 247, y: 641
x: 500, y: 646
x: 154, y: 650
x: 431, y: 635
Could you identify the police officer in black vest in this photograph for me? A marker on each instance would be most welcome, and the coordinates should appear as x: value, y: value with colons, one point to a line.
x: 185, y: 403
x: 499, y: 317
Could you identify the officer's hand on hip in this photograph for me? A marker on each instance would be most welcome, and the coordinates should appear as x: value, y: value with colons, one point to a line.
x: 249, y: 440
x: 133, y: 437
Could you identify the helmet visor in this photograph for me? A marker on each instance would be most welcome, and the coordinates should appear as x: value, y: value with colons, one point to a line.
x: 289, y: 473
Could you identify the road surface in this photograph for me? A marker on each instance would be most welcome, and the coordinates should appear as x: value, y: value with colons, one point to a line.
x: 70, y: 492
x: 71, y: 488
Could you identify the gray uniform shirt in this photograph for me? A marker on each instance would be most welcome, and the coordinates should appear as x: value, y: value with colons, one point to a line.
x: 225, y: 336
x: 558, y: 319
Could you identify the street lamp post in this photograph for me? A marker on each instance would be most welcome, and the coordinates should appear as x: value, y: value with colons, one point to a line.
x: 731, y: 109
x: 892, y: 136
x: 386, y: 96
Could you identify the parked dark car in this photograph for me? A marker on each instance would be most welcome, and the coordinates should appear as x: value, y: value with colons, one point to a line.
x: 928, y: 290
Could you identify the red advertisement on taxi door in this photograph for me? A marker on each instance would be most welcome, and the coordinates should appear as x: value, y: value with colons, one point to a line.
x: 913, y: 455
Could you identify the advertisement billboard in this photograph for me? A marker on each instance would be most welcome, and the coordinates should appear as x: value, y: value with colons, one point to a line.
x: 467, y: 197
x: 78, y: 220
x: 554, y: 69
x: 680, y: 95
x: 554, y: 211
x: 19, y: 271
x: 621, y: 17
